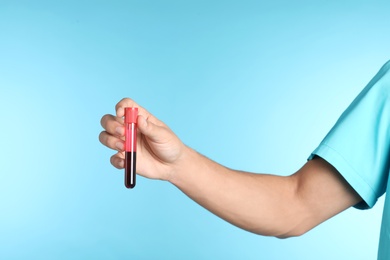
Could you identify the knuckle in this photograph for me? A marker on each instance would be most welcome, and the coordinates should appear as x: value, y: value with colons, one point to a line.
x: 116, y: 161
x: 101, y: 136
x: 123, y: 101
x: 112, y: 161
x: 105, y: 139
x: 104, y: 120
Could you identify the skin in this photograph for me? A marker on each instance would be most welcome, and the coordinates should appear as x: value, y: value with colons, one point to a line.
x: 265, y: 204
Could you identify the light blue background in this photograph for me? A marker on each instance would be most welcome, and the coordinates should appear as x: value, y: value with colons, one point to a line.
x: 254, y: 85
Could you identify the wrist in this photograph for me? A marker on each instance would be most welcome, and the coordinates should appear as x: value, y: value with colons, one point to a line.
x: 182, y: 165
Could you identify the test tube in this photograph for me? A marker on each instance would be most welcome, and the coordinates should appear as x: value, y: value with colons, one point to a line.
x: 131, y: 114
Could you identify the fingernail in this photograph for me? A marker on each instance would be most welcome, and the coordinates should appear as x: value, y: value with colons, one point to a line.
x: 119, y: 130
x: 120, y: 112
x: 120, y: 146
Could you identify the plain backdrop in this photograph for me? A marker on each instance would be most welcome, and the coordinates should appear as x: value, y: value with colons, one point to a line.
x: 254, y: 85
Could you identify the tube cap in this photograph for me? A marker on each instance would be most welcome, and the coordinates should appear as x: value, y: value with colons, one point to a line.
x: 131, y: 114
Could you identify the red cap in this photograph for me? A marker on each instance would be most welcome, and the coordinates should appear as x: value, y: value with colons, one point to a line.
x: 131, y: 114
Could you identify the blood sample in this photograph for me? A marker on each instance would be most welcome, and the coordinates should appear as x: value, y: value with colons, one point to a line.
x: 131, y: 114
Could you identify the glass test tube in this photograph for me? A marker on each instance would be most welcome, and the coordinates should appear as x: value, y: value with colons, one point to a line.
x: 131, y: 114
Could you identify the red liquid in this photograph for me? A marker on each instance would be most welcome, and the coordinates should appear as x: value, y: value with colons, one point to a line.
x: 130, y: 163
x: 131, y: 114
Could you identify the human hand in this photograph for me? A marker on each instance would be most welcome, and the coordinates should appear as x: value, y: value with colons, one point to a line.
x: 158, y: 148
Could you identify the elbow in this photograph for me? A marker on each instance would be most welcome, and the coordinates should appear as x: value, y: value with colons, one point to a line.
x: 283, y: 230
x: 288, y: 228
x: 290, y: 234
x: 293, y: 230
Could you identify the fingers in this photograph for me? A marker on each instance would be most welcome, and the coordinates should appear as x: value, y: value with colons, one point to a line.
x: 149, y: 129
x: 127, y: 102
x: 118, y: 160
x: 111, y: 141
x: 113, y: 134
x: 113, y: 125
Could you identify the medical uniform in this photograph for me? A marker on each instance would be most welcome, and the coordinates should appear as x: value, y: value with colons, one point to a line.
x: 358, y: 146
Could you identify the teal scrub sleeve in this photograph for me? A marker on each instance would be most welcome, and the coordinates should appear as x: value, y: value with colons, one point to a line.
x: 358, y: 145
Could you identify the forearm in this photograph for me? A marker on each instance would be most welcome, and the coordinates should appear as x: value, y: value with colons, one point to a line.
x: 259, y: 203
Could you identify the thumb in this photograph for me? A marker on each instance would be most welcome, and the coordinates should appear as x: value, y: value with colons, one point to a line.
x: 150, y: 130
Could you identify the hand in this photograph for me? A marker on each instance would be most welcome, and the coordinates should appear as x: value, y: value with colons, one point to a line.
x: 158, y: 148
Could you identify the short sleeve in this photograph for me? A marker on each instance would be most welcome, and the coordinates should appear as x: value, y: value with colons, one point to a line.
x: 358, y: 144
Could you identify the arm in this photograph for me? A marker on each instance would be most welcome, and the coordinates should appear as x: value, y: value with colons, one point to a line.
x: 266, y: 204
x: 260, y: 203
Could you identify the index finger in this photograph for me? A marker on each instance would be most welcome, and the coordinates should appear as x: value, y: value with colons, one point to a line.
x: 128, y: 102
